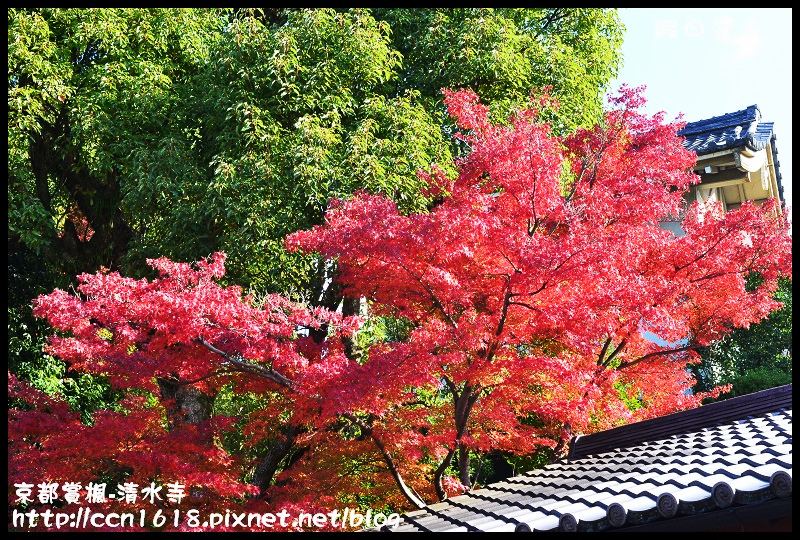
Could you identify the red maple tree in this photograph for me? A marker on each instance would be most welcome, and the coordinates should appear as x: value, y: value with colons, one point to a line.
x: 177, y: 340
x: 542, y: 287
x: 542, y: 299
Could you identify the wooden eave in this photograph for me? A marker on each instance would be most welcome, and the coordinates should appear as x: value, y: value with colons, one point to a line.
x: 723, y: 170
x: 771, y: 516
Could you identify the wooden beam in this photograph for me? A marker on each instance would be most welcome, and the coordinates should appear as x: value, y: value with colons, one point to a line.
x: 728, y: 177
x: 718, y: 161
x: 719, y: 153
x: 742, y: 196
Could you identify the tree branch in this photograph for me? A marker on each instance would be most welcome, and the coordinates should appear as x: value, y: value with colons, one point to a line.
x: 602, y: 355
x: 436, y: 302
x: 255, y: 369
x: 213, y: 374
x: 387, y: 458
x: 615, y: 352
x: 439, y: 474
x: 500, y: 325
x: 654, y: 354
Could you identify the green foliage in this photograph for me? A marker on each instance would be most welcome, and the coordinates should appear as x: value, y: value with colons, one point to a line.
x: 86, y: 88
x: 29, y: 276
x: 761, y: 378
x: 383, y: 330
x: 504, y: 53
x: 754, y: 358
x: 629, y: 395
x: 140, y: 133
x: 525, y: 463
x: 237, y: 405
x: 190, y: 131
x: 84, y: 392
x: 287, y: 117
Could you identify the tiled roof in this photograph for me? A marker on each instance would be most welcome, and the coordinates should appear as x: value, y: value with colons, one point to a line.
x: 732, y: 130
x: 725, y: 458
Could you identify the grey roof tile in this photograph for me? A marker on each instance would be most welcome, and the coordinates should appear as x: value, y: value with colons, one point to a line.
x: 741, y: 456
x: 732, y: 130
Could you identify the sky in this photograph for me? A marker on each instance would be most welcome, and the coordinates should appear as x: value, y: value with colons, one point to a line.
x: 705, y: 62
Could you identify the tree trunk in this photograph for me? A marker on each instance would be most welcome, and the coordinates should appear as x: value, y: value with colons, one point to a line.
x: 351, y: 306
x: 185, y: 404
x: 463, y: 408
x: 463, y: 466
x: 278, y: 450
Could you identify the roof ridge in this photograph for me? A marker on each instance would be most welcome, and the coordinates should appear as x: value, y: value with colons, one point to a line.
x: 747, y: 115
x: 712, y: 414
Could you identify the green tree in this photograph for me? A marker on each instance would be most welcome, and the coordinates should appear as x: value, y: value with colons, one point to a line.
x: 149, y: 132
x: 751, y: 359
x: 137, y: 133
x: 502, y: 54
x: 287, y: 115
x: 86, y: 88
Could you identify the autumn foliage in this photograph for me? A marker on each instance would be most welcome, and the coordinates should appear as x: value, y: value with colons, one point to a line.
x: 542, y: 299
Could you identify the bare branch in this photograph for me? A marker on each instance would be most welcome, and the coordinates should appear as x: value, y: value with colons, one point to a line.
x: 616, y: 351
x: 655, y: 354
x: 213, y: 374
x: 255, y: 369
x: 602, y: 355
